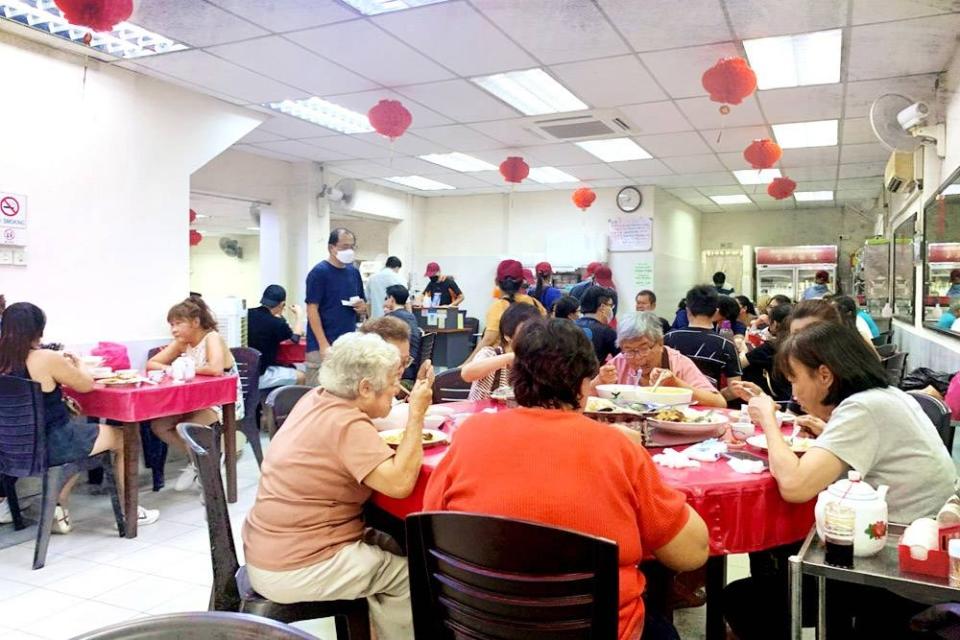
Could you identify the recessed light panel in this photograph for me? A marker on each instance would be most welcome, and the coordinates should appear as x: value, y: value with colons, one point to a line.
x: 532, y: 92
x: 615, y: 149
x: 756, y: 176
x: 813, y: 196
x: 326, y: 114
x: 795, y: 61
x: 798, y: 135
x: 374, y: 7
x: 736, y: 199
x: 550, y: 175
x: 458, y: 162
x: 419, y: 182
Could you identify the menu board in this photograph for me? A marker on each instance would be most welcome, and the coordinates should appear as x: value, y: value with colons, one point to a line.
x: 631, y: 234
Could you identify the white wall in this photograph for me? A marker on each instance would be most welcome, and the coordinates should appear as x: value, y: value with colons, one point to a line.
x: 104, y: 158
x: 217, y: 275
x: 677, y: 229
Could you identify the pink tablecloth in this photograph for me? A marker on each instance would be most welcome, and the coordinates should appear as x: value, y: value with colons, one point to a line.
x: 291, y: 353
x: 146, y: 402
x: 743, y: 512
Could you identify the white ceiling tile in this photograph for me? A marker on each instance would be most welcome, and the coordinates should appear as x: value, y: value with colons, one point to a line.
x: 205, y: 70
x: 593, y: 171
x: 856, y: 195
x: 195, y: 23
x: 856, y: 131
x: 466, y: 43
x: 705, y: 113
x: 767, y: 202
x: 717, y: 178
x: 490, y: 177
x: 459, y: 138
x: 365, y: 49
x: 760, y: 19
x: 512, y: 133
x: 655, y: 117
x: 641, y: 168
x: 559, y: 155
x: 460, y: 100
x: 802, y: 104
x: 644, y: 24
x: 822, y: 172
x: 679, y: 70
x: 865, y: 11
x: 259, y: 135
x: 300, y: 149
x: 734, y: 160
x: 288, y: 15
x: 609, y: 82
x: 362, y: 102
x: 734, y: 138
x: 694, y: 164
x: 415, y: 166
x: 747, y: 206
x: 866, y: 184
x: 666, y: 145
x: 462, y: 181
x: 282, y: 60
x: 816, y: 185
x: 862, y: 169
x: 872, y: 152
x: 613, y: 182
x: 249, y: 148
x: 808, y: 157
x: 349, y: 146
x: 685, y: 192
x: 723, y: 191
x: 860, y: 95
x: 496, y: 156
x: 362, y: 169
x: 922, y: 45
x: 555, y: 30
x: 409, y: 144
x: 290, y: 127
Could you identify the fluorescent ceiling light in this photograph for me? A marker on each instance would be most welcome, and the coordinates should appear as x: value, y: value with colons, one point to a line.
x: 796, y: 135
x: 201, y: 216
x: 419, y: 182
x: 326, y: 114
x: 737, y: 199
x: 125, y: 41
x: 373, y: 7
x: 459, y: 162
x: 253, y: 228
x: 813, y: 196
x: 615, y: 149
x: 550, y: 175
x: 795, y: 61
x: 532, y: 92
x: 756, y: 176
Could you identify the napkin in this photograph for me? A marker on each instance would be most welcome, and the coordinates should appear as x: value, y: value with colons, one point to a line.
x: 745, y: 466
x: 706, y: 451
x: 675, y: 460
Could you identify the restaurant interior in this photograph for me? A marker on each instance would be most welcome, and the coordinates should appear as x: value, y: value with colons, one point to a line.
x: 155, y: 149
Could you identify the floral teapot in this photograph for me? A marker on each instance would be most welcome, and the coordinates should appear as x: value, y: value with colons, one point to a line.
x: 869, y: 506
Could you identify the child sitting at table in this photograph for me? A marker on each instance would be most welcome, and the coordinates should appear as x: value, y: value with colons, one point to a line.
x: 194, y: 331
x: 490, y: 367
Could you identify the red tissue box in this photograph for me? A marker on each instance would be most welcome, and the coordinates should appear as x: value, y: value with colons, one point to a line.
x: 936, y: 564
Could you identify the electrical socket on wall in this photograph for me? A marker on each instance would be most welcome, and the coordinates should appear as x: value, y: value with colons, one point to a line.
x: 20, y: 257
x: 6, y: 256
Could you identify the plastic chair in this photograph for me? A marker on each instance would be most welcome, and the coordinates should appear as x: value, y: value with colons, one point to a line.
x: 23, y: 454
x: 710, y: 367
x: 231, y: 589
x: 199, y: 626
x: 939, y: 414
x: 885, y: 337
x: 279, y: 404
x: 476, y: 576
x: 248, y: 364
x: 427, y: 343
x: 449, y: 386
x: 895, y: 365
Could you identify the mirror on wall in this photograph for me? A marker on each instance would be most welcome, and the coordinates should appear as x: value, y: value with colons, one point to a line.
x: 941, y: 264
x: 904, y: 274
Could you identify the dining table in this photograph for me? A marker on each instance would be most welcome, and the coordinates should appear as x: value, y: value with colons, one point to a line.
x: 131, y: 404
x: 290, y: 353
x: 743, y: 512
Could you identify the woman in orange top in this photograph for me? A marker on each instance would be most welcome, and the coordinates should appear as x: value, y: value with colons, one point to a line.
x: 546, y: 462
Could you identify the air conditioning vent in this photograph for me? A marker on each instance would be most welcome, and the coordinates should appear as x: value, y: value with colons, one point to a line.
x: 582, y: 127
x: 899, y: 175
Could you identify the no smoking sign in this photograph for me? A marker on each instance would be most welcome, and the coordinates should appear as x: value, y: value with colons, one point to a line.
x: 13, y: 210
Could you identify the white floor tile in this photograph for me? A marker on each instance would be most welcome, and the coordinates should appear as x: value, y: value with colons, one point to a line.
x: 189, y: 599
x: 92, y: 583
x: 15, y: 634
x: 146, y: 593
x: 56, y: 568
x: 197, y: 541
x: 81, y: 618
x: 10, y: 589
x: 323, y: 628
x: 20, y: 611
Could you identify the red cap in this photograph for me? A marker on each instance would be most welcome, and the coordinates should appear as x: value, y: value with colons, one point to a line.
x: 592, y: 268
x: 528, y: 276
x: 510, y: 269
x: 822, y: 275
x: 603, y: 277
x: 432, y: 269
x: 955, y: 274
x: 544, y: 269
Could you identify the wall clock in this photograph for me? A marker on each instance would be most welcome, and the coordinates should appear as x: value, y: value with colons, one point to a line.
x: 629, y: 199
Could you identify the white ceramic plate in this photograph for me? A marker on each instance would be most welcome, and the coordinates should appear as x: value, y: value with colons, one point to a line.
x: 760, y: 442
x: 439, y: 410
x: 710, y: 427
x: 431, y: 437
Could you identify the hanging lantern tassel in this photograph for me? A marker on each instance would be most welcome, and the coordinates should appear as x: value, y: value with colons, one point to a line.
x: 514, y: 169
x: 389, y: 118
x: 195, y: 237
x: 584, y: 197
x: 762, y: 153
x: 781, y: 188
x: 99, y: 15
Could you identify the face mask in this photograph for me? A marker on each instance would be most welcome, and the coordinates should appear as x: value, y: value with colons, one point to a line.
x: 434, y: 278
x: 346, y: 256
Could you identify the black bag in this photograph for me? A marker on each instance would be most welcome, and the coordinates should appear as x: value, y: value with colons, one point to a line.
x: 923, y: 377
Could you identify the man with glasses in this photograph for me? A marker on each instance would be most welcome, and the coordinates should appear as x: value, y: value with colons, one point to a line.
x: 597, y: 309
x: 335, y: 299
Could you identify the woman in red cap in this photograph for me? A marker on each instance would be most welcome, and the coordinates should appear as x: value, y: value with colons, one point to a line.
x: 544, y: 291
x: 510, y: 284
x: 442, y: 291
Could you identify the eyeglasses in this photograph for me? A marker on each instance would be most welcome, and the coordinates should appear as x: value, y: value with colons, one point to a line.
x: 637, y: 352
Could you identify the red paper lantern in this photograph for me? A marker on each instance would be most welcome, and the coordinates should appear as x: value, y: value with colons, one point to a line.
x: 389, y: 118
x: 729, y: 81
x: 584, y: 197
x: 195, y: 237
x: 193, y: 216
x: 99, y: 15
x: 514, y: 169
x: 763, y: 153
x: 781, y: 188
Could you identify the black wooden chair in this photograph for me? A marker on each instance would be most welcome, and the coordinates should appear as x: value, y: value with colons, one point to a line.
x: 198, y: 626
x: 710, y: 367
x: 885, y: 337
x: 474, y: 325
x: 885, y: 350
x: 939, y: 414
x: 231, y: 589
x: 427, y: 343
x: 449, y: 386
x: 248, y: 365
x: 895, y: 366
x: 23, y: 454
x: 279, y: 404
x: 476, y: 576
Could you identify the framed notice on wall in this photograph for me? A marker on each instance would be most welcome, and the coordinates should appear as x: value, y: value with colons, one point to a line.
x: 630, y: 234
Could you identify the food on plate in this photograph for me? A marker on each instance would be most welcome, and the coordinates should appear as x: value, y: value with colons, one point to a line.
x: 395, y: 437
x: 118, y: 380
x: 669, y: 415
x: 687, y: 416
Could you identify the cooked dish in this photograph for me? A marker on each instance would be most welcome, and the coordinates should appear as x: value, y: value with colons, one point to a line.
x: 670, y: 415
x: 686, y: 416
x: 395, y: 438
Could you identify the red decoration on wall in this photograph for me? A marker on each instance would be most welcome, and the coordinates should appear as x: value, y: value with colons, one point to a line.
x: 193, y: 216
x: 781, y: 188
x: 195, y: 237
x: 762, y: 153
x: 729, y: 82
x: 584, y: 197
x: 99, y: 15
x: 514, y: 169
x: 389, y: 118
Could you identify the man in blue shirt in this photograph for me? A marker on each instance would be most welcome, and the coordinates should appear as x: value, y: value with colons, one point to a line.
x: 819, y: 289
x: 335, y: 299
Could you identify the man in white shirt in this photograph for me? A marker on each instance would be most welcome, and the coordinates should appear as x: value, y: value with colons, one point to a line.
x: 378, y: 284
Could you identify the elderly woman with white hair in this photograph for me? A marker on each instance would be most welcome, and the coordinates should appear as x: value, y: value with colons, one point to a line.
x: 304, y: 538
x: 643, y: 360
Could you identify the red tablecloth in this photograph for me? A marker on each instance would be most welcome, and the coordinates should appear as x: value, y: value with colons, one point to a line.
x: 291, y: 353
x: 146, y: 402
x: 743, y: 513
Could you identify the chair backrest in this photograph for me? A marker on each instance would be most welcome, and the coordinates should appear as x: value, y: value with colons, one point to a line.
x: 427, y: 343
x: 23, y: 442
x: 939, y: 414
x: 280, y: 403
x: 885, y: 337
x: 203, y: 447
x: 207, y: 625
x: 476, y: 576
x: 474, y: 325
x: 153, y: 351
x: 895, y: 366
x: 449, y: 386
x: 710, y: 367
x: 885, y: 350
x: 248, y: 365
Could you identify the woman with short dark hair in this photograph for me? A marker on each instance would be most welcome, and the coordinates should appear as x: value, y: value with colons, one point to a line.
x: 567, y: 307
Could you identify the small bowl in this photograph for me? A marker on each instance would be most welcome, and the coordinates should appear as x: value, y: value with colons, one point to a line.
x: 433, y: 422
x: 742, y: 430
x: 92, y: 362
x: 127, y: 373
x: 101, y: 372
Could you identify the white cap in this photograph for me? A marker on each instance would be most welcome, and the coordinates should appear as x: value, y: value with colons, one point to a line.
x: 953, y: 547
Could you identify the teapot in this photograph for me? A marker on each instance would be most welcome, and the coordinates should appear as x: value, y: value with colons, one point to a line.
x: 869, y: 506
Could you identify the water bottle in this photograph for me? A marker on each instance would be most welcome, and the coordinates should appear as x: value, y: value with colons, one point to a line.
x: 726, y: 330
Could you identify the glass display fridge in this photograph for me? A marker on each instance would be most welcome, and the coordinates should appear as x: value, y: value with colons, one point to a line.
x: 875, y: 272
x: 790, y: 270
x: 942, y: 258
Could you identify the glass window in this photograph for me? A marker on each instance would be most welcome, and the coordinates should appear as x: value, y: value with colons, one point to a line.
x: 903, y: 271
x: 941, y: 265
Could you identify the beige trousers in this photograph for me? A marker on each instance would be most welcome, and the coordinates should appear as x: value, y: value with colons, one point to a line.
x: 358, y: 570
x: 312, y: 365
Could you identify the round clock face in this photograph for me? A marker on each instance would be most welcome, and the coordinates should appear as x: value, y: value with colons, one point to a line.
x: 629, y: 199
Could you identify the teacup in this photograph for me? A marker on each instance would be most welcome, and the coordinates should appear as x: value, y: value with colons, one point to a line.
x: 740, y: 431
x: 156, y: 375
